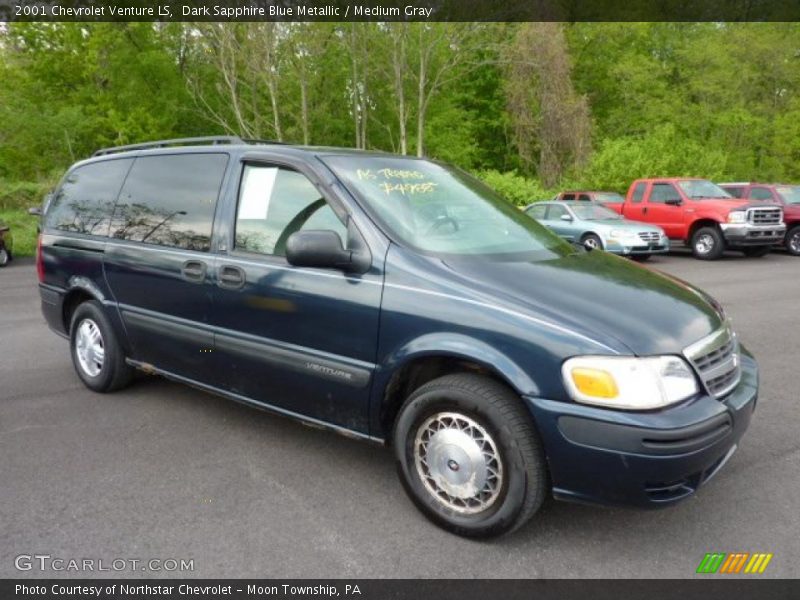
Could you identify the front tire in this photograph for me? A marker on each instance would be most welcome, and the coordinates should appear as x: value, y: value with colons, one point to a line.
x: 592, y: 241
x: 469, y: 456
x: 792, y: 241
x: 641, y: 257
x: 96, y: 353
x: 5, y: 257
x: 707, y: 243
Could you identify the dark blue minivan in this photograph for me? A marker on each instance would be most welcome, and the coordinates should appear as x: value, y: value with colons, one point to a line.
x: 401, y: 301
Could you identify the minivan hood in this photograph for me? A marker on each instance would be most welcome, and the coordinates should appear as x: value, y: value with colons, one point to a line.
x: 600, y: 296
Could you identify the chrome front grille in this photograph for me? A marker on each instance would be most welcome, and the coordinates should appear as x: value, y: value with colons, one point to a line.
x: 649, y: 237
x: 716, y: 360
x: 765, y: 216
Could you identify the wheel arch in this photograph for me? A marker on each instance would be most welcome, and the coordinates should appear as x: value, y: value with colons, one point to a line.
x: 79, y: 290
x: 433, y: 356
x: 697, y: 224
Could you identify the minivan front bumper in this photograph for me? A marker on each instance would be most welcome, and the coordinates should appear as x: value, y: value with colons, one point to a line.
x: 646, y: 459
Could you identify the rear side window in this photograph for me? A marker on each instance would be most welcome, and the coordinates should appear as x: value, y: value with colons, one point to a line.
x: 537, y: 211
x: 274, y: 203
x: 638, y: 192
x: 662, y: 192
x: 568, y: 196
x: 170, y: 200
x: 85, y: 202
x: 584, y: 198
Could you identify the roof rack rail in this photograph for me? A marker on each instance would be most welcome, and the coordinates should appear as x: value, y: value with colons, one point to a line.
x: 193, y: 141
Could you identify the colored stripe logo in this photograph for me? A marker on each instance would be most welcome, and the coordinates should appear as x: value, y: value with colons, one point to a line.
x: 734, y: 562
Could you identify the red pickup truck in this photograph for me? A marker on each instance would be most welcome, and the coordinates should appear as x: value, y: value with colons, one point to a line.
x: 787, y: 196
x: 702, y: 215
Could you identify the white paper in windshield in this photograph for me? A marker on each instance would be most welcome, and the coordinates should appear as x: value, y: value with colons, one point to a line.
x: 256, y: 192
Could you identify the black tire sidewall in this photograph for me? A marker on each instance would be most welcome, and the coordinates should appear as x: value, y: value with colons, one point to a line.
x: 503, y: 513
x: 594, y: 237
x: 719, y: 243
x: 104, y: 380
x: 794, y: 231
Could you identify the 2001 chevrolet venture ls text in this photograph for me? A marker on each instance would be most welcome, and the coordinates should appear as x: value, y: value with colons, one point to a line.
x: 398, y: 300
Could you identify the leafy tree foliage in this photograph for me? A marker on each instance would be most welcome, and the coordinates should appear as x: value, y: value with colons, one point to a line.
x: 601, y: 103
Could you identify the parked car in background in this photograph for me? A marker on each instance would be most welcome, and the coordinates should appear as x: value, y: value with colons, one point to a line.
x: 588, y: 196
x: 598, y: 227
x: 787, y: 196
x: 401, y: 301
x: 702, y: 215
x: 6, y: 245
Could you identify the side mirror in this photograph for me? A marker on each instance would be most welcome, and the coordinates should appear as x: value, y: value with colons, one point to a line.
x: 673, y: 201
x: 36, y: 211
x: 566, y: 218
x: 318, y: 248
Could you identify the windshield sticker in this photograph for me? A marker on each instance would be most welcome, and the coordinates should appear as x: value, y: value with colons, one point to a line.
x: 398, y: 180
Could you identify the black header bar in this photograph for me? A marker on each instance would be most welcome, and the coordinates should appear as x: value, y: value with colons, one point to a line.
x: 399, y: 10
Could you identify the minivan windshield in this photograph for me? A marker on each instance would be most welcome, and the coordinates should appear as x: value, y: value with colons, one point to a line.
x: 438, y: 209
x: 701, y: 188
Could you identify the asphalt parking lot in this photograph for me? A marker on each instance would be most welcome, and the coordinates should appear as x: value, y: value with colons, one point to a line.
x: 164, y: 471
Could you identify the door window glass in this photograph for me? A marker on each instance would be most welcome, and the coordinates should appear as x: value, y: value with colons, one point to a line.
x: 662, y: 192
x: 555, y: 212
x: 537, y: 211
x: 170, y: 200
x: 85, y: 201
x: 760, y: 193
x: 275, y: 202
x: 638, y: 192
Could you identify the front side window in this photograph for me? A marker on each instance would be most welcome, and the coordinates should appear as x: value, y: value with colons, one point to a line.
x: 85, y: 202
x: 169, y: 200
x: 275, y: 202
x: 438, y: 209
x: 584, y: 198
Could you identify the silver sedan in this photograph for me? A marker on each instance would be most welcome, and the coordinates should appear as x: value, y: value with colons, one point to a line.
x: 596, y: 226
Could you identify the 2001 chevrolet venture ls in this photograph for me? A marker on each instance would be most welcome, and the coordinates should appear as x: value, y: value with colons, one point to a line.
x: 398, y: 300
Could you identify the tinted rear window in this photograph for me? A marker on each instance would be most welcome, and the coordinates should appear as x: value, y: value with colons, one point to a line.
x: 638, y: 192
x: 85, y: 201
x: 170, y: 200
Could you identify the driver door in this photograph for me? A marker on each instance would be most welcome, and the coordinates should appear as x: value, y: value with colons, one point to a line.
x: 296, y: 338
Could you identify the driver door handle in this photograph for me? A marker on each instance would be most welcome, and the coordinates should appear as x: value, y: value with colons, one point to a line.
x: 231, y: 277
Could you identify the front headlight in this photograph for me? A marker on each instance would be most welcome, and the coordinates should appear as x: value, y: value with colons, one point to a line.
x: 621, y: 234
x: 737, y: 216
x: 629, y: 383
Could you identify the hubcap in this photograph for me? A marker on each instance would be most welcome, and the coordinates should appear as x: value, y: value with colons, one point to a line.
x: 458, y: 462
x: 794, y: 242
x: 591, y: 243
x: 704, y: 244
x: 89, y: 347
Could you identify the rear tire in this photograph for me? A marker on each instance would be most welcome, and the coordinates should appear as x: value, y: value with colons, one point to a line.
x: 756, y: 251
x: 792, y: 241
x: 707, y: 243
x: 469, y: 456
x: 96, y: 353
x: 5, y: 257
x: 641, y: 257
